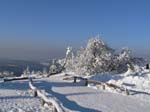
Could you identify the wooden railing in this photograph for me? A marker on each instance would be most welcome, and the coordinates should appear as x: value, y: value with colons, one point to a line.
x: 14, y: 79
x: 87, y: 81
x: 44, y: 99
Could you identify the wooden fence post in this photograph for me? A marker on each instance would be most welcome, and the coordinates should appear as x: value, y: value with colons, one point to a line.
x: 147, y: 66
x: 35, y: 93
x: 42, y: 102
x: 54, y: 109
x: 86, y: 82
x: 127, y: 91
x: 75, y: 78
x: 103, y: 87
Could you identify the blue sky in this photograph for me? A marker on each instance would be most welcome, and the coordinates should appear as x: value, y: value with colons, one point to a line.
x: 42, y: 29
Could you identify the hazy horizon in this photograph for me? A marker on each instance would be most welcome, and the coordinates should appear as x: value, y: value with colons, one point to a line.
x: 41, y: 30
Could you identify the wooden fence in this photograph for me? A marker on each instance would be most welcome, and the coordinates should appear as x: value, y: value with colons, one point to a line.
x: 44, y: 99
x: 14, y: 79
x: 87, y: 81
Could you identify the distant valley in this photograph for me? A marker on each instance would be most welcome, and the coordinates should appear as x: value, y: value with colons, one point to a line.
x: 17, y: 66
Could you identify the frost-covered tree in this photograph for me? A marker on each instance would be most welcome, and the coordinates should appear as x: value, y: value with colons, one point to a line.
x: 69, y: 59
x: 6, y: 74
x: 97, y: 57
x: 26, y: 72
x: 44, y: 72
x: 123, y: 60
x: 53, y: 67
x: 93, y: 58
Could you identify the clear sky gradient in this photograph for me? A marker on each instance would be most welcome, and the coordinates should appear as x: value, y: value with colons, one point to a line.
x: 42, y: 29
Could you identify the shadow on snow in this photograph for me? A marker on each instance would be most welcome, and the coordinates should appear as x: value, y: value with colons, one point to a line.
x: 72, y: 105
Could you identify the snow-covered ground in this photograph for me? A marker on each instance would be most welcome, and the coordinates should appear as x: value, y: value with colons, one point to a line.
x: 16, y: 97
x: 136, y: 83
x: 75, y: 97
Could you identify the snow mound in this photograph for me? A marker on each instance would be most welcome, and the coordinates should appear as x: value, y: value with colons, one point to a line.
x: 130, y: 80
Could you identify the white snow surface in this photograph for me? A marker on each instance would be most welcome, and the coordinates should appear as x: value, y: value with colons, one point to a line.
x: 16, y: 97
x: 139, y: 83
x: 75, y: 97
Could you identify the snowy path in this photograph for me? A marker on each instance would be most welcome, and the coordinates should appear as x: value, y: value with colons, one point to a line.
x: 76, y: 97
x: 15, y: 97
